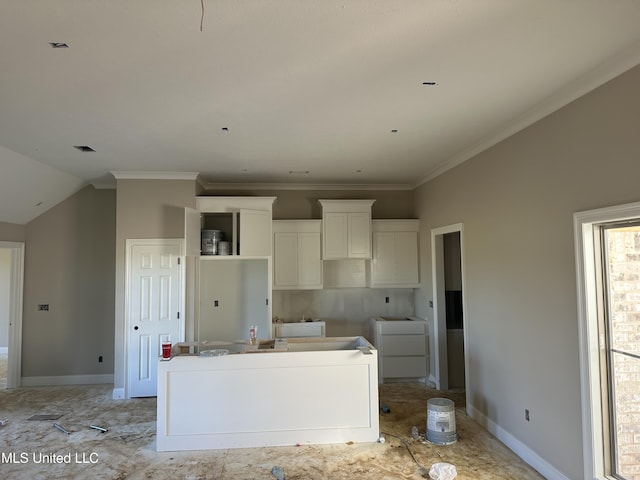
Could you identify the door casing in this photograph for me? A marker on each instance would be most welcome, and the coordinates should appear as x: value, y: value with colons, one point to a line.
x: 16, y: 281
x: 439, y: 313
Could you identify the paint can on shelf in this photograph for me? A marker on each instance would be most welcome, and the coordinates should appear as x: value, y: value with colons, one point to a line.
x: 209, y: 241
x: 441, y: 421
x: 224, y: 248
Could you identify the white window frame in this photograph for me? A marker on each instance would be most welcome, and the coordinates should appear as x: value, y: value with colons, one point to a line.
x: 585, y: 225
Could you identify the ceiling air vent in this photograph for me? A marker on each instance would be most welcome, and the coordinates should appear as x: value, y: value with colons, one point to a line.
x: 84, y: 148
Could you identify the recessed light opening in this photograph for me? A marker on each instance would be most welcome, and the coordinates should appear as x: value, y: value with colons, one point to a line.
x: 58, y: 45
x: 298, y: 172
x: 84, y: 148
x: 429, y: 83
x: 395, y: 130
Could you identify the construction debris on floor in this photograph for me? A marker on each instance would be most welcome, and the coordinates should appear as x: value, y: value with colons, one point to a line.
x: 126, y: 448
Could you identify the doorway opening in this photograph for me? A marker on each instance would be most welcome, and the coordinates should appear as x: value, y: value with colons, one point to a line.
x: 454, y: 312
x: 450, y: 336
x: 11, y: 287
x: 5, y: 285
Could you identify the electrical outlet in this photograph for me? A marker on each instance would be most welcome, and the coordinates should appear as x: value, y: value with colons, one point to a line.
x: 526, y: 414
x: 100, y: 359
x: 43, y: 307
x: 386, y: 299
x: 430, y: 303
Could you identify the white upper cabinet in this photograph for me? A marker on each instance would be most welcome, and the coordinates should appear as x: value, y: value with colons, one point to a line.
x: 346, y: 229
x: 244, y: 221
x: 296, y: 255
x: 254, y: 233
x: 395, y: 254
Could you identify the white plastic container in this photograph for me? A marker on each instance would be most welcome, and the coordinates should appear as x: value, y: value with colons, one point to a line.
x: 441, y: 421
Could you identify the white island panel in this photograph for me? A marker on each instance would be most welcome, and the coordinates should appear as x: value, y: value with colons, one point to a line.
x: 270, y: 398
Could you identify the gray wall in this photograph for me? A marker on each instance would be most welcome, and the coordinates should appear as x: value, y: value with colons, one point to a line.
x: 70, y: 265
x: 5, y: 288
x: 516, y: 201
x: 144, y: 209
x: 303, y: 204
x: 11, y: 232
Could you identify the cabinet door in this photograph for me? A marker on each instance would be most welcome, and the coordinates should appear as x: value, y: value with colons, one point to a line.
x: 309, y: 262
x: 192, y: 232
x: 406, y: 247
x: 359, y: 236
x: 285, y: 259
x: 255, y: 233
x: 383, y: 266
x: 334, y: 241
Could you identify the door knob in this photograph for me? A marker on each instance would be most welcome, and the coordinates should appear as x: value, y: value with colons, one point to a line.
x: 136, y: 327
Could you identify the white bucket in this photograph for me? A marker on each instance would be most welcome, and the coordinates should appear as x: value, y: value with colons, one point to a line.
x: 441, y: 421
x: 224, y: 248
x: 209, y: 241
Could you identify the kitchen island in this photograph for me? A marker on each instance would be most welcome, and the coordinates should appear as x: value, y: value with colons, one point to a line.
x: 295, y: 391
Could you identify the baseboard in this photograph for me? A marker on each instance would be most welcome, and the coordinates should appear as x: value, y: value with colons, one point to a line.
x: 543, y: 467
x: 118, y: 394
x: 66, y: 380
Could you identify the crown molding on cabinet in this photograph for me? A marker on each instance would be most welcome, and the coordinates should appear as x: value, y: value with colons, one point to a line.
x: 125, y: 175
x: 304, y: 186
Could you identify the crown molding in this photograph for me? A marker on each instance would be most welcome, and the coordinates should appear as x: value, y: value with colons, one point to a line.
x: 304, y: 186
x: 125, y: 175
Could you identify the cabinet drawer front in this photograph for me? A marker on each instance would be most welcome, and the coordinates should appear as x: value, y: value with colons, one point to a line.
x: 397, y: 367
x: 403, y: 345
x: 402, y: 327
x: 290, y: 330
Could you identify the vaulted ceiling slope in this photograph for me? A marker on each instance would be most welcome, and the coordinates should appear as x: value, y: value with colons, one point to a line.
x: 385, y: 92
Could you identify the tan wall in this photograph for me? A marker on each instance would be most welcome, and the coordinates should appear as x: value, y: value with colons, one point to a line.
x: 303, y: 204
x: 516, y: 201
x: 145, y: 209
x: 5, y: 289
x: 70, y: 265
x: 11, y: 232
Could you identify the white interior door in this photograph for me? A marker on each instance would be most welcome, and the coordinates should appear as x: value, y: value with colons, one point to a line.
x: 154, y: 308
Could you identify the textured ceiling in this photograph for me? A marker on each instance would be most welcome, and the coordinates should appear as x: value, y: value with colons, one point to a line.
x: 269, y: 87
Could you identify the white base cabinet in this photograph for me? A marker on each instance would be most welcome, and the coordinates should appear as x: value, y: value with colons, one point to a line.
x: 299, y: 329
x: 403, y: 347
